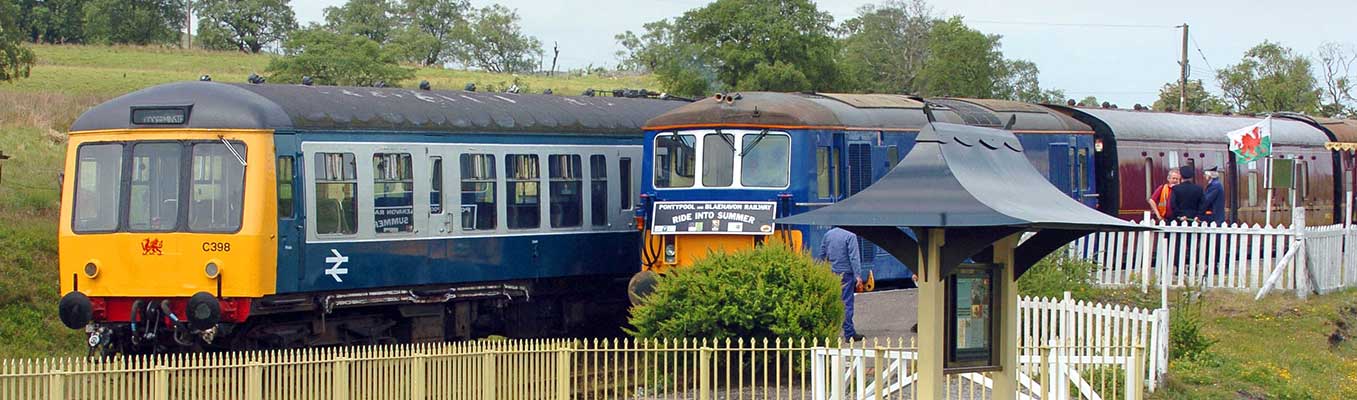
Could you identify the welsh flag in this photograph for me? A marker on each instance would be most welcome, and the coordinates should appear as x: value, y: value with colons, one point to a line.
x: 1252, y: 142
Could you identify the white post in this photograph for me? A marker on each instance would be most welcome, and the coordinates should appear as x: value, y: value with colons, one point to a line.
x: 1268, y: 214
x: 1163, y: 273
x: 1303, y: 272
x: 1347, y: 210
x: 1146, y: 252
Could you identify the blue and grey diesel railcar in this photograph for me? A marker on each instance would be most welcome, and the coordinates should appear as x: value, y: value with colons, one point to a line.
x: 360, y: 215
x: 719, y: 170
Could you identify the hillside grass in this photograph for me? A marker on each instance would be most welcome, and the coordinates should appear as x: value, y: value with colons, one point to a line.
x: 36, y: 112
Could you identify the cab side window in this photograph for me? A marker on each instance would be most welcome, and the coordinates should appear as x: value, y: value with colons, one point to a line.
x: 285, y: 170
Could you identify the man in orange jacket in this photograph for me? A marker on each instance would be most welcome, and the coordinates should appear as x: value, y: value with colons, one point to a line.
x: 1159, y: 198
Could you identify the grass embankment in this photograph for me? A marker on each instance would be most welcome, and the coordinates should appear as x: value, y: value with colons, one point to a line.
x: 35, y: 114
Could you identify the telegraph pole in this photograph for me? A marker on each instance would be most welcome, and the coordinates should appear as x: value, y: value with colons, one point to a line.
x: 1182, y: 78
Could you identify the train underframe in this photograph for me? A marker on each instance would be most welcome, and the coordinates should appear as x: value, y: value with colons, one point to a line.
x: 573, y: 307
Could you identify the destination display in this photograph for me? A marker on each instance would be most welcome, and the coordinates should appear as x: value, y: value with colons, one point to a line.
x: 161, y: 115
x: 713, y: 217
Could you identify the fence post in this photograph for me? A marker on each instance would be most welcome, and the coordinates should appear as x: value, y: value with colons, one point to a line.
x: 56, y: 386
x: 704, y: 372
x: 879, y: 365
x: 1146, y: 244
x: 488, y: 374
x: 254, y: 381
x: 1135, y: 386
x: 563, y: 366
x: 418, y: 376
x: 1045, y: 372
x: 161, y: 380
x: 1303, y: 271
x: 340, y: 384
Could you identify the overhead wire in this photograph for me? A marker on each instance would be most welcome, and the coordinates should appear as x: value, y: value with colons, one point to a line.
x: 1071, y: 25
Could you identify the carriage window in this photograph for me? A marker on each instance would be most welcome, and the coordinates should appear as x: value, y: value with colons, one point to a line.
x: 827, y: 172
x: 336, y: 194
x: 674, y: 159
x: 285, y: 170
x: 393, y: 194
x: 624, y: 181
x: 154, y: 197
x: 1302, y: 180
x: 567, y: 197
x: 98, y: 177
x: 598, y: 190
x: 1083, y: 169
x: 1149, y: 177
x: 764, y: 160
x: 436, y: 185
x: 478, y: 192
x: 218, y: 187
x: 522, y: 173
x: 1253, y: 188
x: 718, y: 160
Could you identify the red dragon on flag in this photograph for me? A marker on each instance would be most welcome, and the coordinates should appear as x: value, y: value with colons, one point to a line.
x: 1252, y: 142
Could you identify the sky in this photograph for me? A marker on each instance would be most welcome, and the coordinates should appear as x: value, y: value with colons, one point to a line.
x: 1119, y: 51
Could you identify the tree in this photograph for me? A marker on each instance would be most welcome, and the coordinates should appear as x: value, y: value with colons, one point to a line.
x: 1198, y: 99
x: 372, y: 19
x: 496, y: 42
x: 1336, y: 74
x: 676, y: 64
x: 51, y: 21
x: 1270, y: 78
x: 433, y: 30
x: 245, y: 25
x: 738, y: 36
x: 1091, y: 101
x: 1021, y: 82
x: 15, y: 60
x: 331, y: 58
x: 139, y: 22
x: 962, y: 62
x: 886, y: 46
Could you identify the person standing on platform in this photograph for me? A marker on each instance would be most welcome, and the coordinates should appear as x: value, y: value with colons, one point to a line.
x: 1159, y: 198
x: 1186, y: 202
x: 840, y: 248
x: 1213, y: 200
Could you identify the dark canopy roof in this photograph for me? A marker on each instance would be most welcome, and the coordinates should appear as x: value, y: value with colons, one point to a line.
x: 803, y: 110
x: 975, y: 182
x: 246, y: 106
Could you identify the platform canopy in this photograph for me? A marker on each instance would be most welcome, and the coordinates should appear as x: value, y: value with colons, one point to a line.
x: 976, y: 184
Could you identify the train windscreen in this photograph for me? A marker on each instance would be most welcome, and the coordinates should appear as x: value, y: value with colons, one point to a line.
x: 155, y: 198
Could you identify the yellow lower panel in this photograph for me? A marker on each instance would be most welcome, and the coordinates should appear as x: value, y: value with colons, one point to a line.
x: 692, y: 248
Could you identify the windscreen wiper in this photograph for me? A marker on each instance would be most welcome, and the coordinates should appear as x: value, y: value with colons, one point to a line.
x: 757, y: 139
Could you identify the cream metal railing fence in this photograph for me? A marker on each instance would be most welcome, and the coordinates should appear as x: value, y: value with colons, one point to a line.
x: 563, y: 369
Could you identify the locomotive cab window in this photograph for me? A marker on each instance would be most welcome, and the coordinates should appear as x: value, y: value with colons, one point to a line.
x: 675, y: 159
x: 524, y: 203
x: 336, y: 194
x: 567, y: 197
x: 218, y: 187
x: 718, y: 160
x: 154, y: 191
x: 393, y: 193
x: 764, y: 160
x: 478, y: 192
x: 98, y: 176
x: 827, y: 171
x: 285, y: 170
x: 598, y: 190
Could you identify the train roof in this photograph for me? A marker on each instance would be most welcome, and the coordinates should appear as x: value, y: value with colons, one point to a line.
x: 250, y: 106
x: 1027, y: 117
x: 801, y: 111
x: 1344, y: 133
x: 1202, y: 128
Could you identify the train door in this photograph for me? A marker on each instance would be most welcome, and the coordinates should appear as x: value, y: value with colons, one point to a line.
x: 1060, y: 156
x: 1084, y: 187
x: 288, y: 170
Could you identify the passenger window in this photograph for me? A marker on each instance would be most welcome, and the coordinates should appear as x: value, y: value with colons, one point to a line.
x: 1302, y: 181
x: 285, y: 170
x: 764, y: 160
x: 154, y: 199
x: 1149, y: 177
x: 336, y: 194
x: 674, y: 159
x: 393, y: 194
x: 98, y: 185
x: 218, y: 187
x: 624, y: 182
x: 521, y: 173
x: 598, y: 190
x: 436, y: 185
x: 718, y: 160
x: 478, y: 192
x: 567, y: 199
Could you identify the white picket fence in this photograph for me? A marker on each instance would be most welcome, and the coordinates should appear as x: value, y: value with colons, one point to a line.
x: 1097, y: 348
x: 1226, y: 256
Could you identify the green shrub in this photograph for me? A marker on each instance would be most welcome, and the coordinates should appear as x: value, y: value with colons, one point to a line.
x: 1056, y: 274
x: 1186, y: 340
x: 765, y: 292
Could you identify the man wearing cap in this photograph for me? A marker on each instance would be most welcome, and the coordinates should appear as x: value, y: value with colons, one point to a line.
x: 1186, y: 201
x: 1213, y: 200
